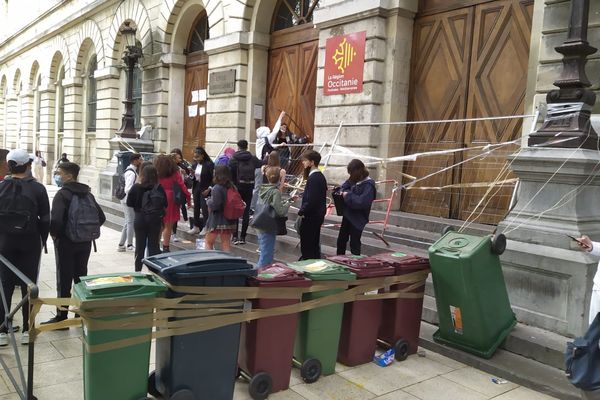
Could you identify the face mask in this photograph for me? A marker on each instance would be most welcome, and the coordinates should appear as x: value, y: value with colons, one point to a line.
x: 58, y: 180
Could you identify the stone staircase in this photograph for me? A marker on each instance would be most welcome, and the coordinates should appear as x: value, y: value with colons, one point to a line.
x: 530, y: 356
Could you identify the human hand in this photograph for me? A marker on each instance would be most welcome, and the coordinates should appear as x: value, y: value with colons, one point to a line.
x: 206, y: 192
x: 344, y: 194
x: 585, y: 243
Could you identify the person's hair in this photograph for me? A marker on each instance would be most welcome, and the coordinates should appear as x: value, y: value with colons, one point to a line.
x: 272, y: 174
x: 177, y: 151
x: 143, y: 165
x: 273, y: 159
x: 165, y: 166
x: 70, y: 168
x: 242, y: 144
x: 222, y: 176
x: 312, y: 155
x: 38, y: 153
x: 134, y: 156
x: 3, y: 154
x: 17, y: 169
x: 149, y: 175
x: 357, y: 170
x: 63, y: 155
x: 200, y: 150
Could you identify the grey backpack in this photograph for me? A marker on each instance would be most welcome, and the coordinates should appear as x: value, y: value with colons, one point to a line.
x: 83, y: 221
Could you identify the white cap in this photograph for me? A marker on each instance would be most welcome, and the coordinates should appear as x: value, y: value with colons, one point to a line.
x: 262, y: 132
x: 19, y: 156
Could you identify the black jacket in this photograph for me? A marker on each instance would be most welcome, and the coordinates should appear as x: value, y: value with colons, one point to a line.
x: 206, y: 177
x: 358, y: 201
x: 241, y: 156
x: 136, y: 194
x: 314, y: 198
x: 60, y: 207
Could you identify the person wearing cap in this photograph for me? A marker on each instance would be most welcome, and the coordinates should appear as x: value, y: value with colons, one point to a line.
x: 3, y: 164
x: 24, y: 227
x: 265, y: 137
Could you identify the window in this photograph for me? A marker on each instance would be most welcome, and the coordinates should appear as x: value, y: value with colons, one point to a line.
x: 91, y: 95
x: 289, y: 13
x: 38, y: 111
x: 61, y: 101
x: 199, y: 34
x: 137, y: 97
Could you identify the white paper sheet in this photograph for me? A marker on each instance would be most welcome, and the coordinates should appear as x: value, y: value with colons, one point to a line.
x: 193, y: 111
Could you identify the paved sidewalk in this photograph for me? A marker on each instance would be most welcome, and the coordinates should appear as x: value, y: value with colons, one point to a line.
x: 58, y: 362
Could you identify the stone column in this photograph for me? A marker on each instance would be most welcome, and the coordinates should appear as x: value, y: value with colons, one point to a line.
x: 72, y: 143
x: 385, y: 81
x: 27, y: 109
x: 108, y: 113
x: 175, y: 86
x: 11, y: 121
x: 2, y: 122
x: 47, y: 93
x: 256, y: 92
x: 157, y: 108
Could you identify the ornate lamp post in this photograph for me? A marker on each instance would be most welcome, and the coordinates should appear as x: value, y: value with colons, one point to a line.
x: 568, y: 121
x: 131, y: 56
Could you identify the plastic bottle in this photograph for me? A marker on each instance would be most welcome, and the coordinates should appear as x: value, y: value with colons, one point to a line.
x: 200, y: 244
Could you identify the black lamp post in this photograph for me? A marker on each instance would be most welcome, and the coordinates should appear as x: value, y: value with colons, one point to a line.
x: 131, y: 56
x: 569, y: 108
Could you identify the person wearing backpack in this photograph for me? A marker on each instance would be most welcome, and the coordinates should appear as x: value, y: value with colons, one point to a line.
x: 149, y: 201
x: 75, y: 223
x: 223, y: 210
x: 126, y: 182
x: 243, y: 166
x: 24, y: 227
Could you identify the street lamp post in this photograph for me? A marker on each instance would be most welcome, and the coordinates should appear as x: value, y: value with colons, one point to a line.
x: 569, y: 107
x: 131, y: 56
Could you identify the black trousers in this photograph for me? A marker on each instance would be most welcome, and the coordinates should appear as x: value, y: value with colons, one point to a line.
x: 348, y: 231
x: 147, y: 234
x: 71, y: 264
x: 246, y: 195
x: 23, y: 252
x: 310, y: 238
x: 200, y: 204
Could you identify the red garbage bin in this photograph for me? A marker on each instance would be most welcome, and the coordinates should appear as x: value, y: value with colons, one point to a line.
x: 267, y: 344
x: 401, y: 318
x: 361, y: 320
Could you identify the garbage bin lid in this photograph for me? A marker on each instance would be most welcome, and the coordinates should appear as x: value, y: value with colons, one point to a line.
x: 359, y: 262
x: 197, y: 263
x: 458, y: 243
x: 323, y: 270
x: 402, y: 261
x: 278, y: 272
x: 105, y: 286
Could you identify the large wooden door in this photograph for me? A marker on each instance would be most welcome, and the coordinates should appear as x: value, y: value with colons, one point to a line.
x: 292, y: 78
x: 469, y: 62
x: 194, y: 111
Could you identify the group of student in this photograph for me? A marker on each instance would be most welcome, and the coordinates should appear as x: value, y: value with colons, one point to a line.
x: 26, y: 221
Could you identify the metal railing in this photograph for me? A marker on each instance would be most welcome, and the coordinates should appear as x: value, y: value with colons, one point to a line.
x: 24, y: 389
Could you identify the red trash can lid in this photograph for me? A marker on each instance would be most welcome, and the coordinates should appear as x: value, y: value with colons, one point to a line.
x: 278, y: 272
x: 359, y: 261
x: 403, y: 261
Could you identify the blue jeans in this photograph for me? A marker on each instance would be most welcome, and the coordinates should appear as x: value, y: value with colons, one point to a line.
x: 266, y: 244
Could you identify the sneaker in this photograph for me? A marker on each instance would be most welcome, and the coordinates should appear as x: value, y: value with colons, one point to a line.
x: 203, y: 231
x: 130, y: 248
x: 194, y: 231
x: 25, y: 338
x: 234, y: 240
x: 121, y: 248
x: 242, y: 241
x: 54, y: 320
x: 174, y: 238
x: 3, y: 339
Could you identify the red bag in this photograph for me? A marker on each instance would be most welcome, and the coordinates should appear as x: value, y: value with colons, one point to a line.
x: 234, y: 205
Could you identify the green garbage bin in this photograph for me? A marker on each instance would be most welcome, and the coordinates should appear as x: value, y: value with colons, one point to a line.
x: 120, y: 373
x: 472, y: 303
x: 318, y: 333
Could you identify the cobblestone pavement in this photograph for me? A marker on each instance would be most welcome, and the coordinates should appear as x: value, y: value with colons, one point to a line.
x: 59, y: 365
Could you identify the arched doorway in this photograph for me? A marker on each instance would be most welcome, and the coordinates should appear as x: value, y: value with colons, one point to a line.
x: 195, y: 91
x: 292, y: 73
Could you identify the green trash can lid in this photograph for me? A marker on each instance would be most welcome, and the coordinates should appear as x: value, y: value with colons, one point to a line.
x: 322, y: 270
x: 458, y: 243
x: 94, y: 287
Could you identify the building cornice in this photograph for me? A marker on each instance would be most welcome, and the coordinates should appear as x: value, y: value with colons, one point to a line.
x: 350, y: 11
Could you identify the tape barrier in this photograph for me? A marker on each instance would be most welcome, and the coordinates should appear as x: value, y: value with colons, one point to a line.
x: 205, y: 308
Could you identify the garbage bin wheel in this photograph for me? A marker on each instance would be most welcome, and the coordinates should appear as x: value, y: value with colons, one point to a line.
x: 152, y: 385
x: 401, y: 348
x: 447, y: 228
x: 183, y: 394
x: 498, y: 244
x: 260, y: 386
x: 310, y: 370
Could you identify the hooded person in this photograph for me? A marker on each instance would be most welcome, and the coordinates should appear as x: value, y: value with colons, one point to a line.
x: 265, y: 137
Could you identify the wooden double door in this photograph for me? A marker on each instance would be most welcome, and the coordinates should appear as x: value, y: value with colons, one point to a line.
x: 194, y: 110
x: 467, y: 62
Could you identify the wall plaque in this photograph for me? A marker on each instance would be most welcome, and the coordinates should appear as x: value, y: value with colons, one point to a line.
x: 222, y: 82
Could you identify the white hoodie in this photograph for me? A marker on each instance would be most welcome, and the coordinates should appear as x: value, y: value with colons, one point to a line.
x: 595, y: 301
x: 263, y: 134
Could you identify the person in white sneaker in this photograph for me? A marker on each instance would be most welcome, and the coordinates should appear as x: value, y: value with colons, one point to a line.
x: 130, y: 176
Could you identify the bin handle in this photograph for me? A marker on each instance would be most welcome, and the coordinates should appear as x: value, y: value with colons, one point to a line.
x: 212, y: 273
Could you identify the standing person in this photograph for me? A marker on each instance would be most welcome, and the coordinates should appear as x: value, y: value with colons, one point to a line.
x: 260, y: 178
x: 242, y: 166
x: 224, y: 158
x: 217, y: 224
x: 358, y: 192
x: 266, y: 136
x: 3, y: 164
x: 75, y: 222
x: 313, y: 206
x: 149, y: 201
x: 203, y: 168
x: 172, y: 182
x: 129, y: 177
x: 38, y: 166
x: 185, y: 168
x: 24, y: 227
x: 63, y: 159
x: 270, y: 195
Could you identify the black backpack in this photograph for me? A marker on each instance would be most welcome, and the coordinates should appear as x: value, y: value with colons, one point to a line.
x: 154, y: 203
x: 18, y: 213
x: 267, y: 148
x: 83, y: 219
x: 245, y: 172
x: 120, y: 190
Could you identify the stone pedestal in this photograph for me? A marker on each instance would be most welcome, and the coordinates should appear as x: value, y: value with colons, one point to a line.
x: 109, y: 178
x: 548, y: 278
